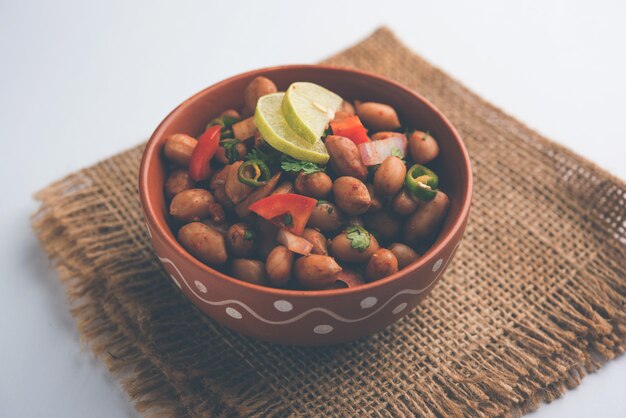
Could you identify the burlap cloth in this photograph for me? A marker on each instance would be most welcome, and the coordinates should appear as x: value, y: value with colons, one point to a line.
x: 533, y: 301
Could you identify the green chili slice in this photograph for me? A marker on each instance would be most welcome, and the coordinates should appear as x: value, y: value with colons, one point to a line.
x: 422, y: 182
x: 261, y: 173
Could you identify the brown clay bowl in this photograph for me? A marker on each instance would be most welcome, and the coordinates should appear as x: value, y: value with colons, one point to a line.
x: 307, y: 317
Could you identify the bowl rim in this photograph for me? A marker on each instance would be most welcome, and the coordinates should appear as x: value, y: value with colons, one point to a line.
x: 150, y: 152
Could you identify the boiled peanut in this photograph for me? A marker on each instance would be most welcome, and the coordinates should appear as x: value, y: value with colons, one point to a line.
x: 204, y: 243
x: 378, y: 116
x: 341, y: 248
x: 427, y: 219
x: 316, y: 271
x: 377, y: 203
x: 404, y: 254
x: 347, y: 279
x: 351, y: 195
x: 178, y: 181
x: 326, y: 217
x: 191, y: 205
x: 283, y: 188
x: 385, y: 134
x: 240, y: 240
x: 258, y: 87
x: 423, y: 147
x: 386, y: 226
x: 404, y: 203
x: 178, y: 148
x: 318, y: 240
x: 389, y: 177
x: 345, y: 158
x: 236, y: 190
x: 251, y: 271
x: 317, y: 185
x: 278, y: 265
x: 382, y: 264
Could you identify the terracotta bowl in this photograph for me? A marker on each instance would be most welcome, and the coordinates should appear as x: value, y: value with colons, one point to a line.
x: 307, y: 317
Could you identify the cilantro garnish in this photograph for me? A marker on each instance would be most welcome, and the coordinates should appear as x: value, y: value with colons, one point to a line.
x: 248, y: 235
x: 230, y: 148
x: 269, y: 157
x: 307, y: 167
x: 359, y: 238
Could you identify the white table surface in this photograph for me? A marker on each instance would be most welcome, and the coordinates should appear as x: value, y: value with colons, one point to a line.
x: 80, y: 81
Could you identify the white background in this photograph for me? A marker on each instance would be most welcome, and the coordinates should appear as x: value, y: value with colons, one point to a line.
x: 80, y: 81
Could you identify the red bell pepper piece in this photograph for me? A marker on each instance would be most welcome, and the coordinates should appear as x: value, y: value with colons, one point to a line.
x: 199, y: 165
x: 289, y: 211
x: 352, y: 128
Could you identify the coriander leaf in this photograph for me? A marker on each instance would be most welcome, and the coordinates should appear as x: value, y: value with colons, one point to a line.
x: 307, y: 167
x: 230, y: 149
x: 269, y: 157
x: 359, y: 238
x: 248, y: 235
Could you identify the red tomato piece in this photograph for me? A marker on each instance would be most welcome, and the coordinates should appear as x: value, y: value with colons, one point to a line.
x: 352, y: 128
x: 199, y: 165
x: 289, y: 211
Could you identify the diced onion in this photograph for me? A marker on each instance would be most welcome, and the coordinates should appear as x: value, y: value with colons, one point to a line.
x: 375, y: 152
x: 294, y: 243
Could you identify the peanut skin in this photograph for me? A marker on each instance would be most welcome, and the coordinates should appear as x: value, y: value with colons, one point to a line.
x: 382, y: 264
x: 345, y: 158
x: 427, y: 219
x: 251, y: 271
x: 178, y: 181
x: 389, y: 177
x: 404, y: 254
x: 258, y: 87
x: 204, y: 243
x: 341, y: 248
x: 317, y: 185
x: 378, y: 116
x: 423, y: 147
x: 278, y: 266
x: 326, y: 217
x: 316, y: 271
x: 351, y: 195
x: 240, y: 240
x: 318, y: 240
x: 178, y: 148
x: 191, y: 205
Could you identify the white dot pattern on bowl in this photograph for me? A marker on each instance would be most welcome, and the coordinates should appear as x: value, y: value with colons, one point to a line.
x: 283, y: 306
x: 200, y: 286
x: 323, y: 329
x: 368, y: 302
x: 233, y: 313
x: 437, y: 265
x: 399, y: 308
x: 175, y: 281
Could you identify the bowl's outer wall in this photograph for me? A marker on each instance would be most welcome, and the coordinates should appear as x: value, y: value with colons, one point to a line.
x: 338, y: 316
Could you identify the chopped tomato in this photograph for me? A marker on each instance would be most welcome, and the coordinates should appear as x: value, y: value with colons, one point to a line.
x: 199, y: 165
x: 352, y: 128
x: 289, y: 211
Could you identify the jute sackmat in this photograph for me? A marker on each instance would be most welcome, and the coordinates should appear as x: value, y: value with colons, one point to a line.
x: 533, y: 301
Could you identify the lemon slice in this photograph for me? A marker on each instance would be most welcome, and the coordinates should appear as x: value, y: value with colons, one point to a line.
x: 273, y: 127
x: 308, y: 108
